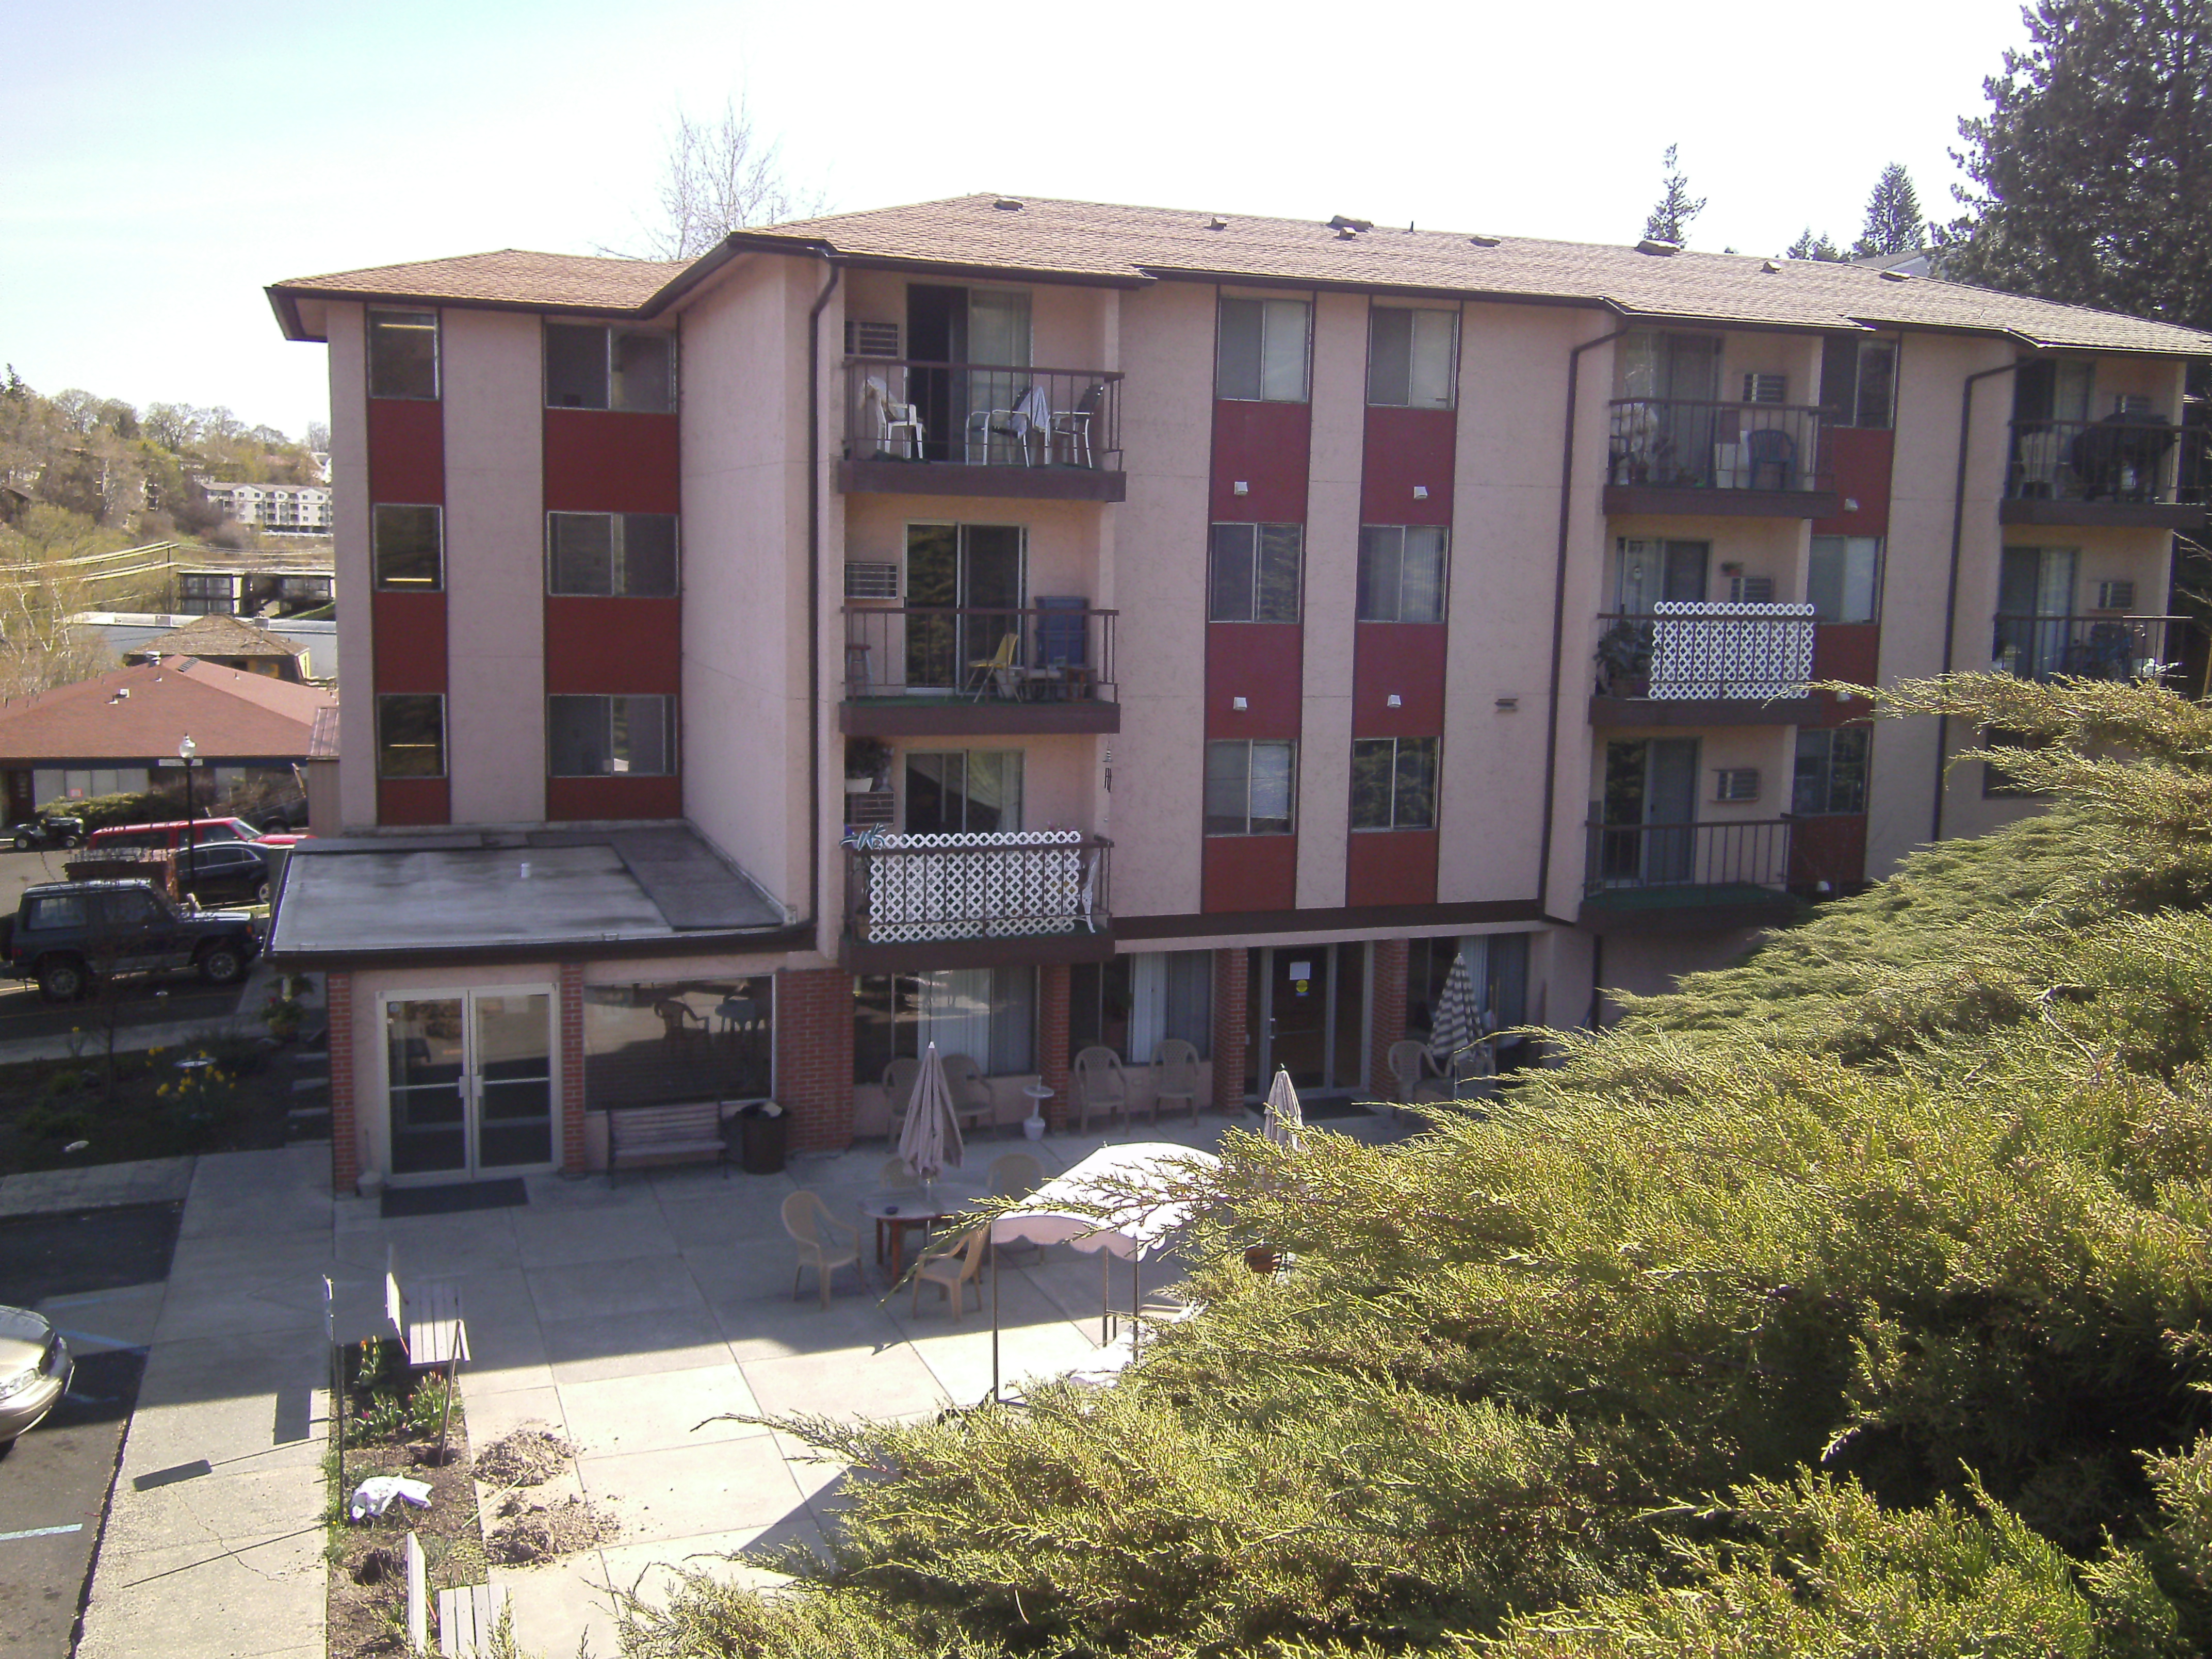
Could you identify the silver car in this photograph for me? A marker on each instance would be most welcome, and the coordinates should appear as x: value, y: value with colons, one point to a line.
x: 34, y: 1370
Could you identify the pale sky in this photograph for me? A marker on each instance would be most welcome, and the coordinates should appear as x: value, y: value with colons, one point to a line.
x: 159, y: 164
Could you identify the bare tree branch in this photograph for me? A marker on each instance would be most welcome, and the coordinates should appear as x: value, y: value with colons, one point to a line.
x: 718, y: 175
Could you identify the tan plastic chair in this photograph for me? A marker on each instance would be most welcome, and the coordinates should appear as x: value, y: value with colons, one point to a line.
x: 972, y: 1103
x: 1175, y: 1067
x: 899, y: 1090
x: 952, y: 1268
x: 1099, y: 1082
x: 815, y: 1231
x: 1415, y: 1073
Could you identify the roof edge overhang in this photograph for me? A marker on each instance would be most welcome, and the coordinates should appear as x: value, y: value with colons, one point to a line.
x: 705, y: 942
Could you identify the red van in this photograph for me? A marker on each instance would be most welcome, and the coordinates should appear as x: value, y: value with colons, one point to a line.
x: 170, y: 837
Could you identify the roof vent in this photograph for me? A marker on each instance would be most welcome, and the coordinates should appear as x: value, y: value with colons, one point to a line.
x: 1652, y: 245
x: 1896, y: 275
x: 1007, y: 204
x: 1342, y: 223
x: 1483, y: 241
x: 1216, y: 222
x: 1770, y: 267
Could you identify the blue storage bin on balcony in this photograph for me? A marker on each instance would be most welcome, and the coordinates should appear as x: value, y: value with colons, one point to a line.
x: 1062, y: 632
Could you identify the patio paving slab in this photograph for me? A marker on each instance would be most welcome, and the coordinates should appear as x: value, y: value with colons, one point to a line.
x: 556, y: 1237
x: 884, y: 1382
x: 659, y: 1410
x: 683, y: 1492
x: 560, y: 1605
x: 629, y: 1343
x: 594, y: 1290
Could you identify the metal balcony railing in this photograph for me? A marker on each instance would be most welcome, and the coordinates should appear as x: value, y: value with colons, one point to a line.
x: 2127, y: 461
x: 2087, y: 647
x: 1683, y: 650
x: 901, y: 409
x: 1051, y: 651
x: 904, y: 889
x: 1677, y: 443
x: 1743, y: 853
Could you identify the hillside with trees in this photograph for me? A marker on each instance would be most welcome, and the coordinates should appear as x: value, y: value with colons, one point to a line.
x: 1854, y: 1300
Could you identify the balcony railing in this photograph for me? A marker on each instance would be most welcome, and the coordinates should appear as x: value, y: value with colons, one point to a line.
x: 1739, y: 853
x: 2136, y: 462
x: 1685, y: 651
x: 899, y: 409
x: 2087, y: 647
x: 1676, y: 443
x: 1054, y: 651
x: 906, y: 889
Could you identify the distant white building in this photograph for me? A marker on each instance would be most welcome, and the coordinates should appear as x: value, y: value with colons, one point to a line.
x: 281, y: 509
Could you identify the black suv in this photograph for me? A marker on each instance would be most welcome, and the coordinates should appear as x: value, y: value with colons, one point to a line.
x: 66, y: 933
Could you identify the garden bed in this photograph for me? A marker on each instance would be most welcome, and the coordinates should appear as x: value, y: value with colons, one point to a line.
x: 64, y: 1114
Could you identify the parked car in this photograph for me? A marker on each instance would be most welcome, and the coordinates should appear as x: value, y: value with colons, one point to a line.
x: 64, y: 934
x: 45, y: 830
x: 231, y: 872
x: 169, y: 837
x: 34, y: 1370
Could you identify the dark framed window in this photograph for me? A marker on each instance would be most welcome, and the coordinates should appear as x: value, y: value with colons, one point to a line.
x: 403, y: 354
x: 202, y: 594
x: 1253, y: 572
x: 1843, y: 581
x: 1411, y: 356
x: 411, y: 735
x: 407, y: 546
x: 1831, y: 771
x: 964, y: 792
x: 1394, y: 783
x: 1260, y: 352
x: 590, y: 366
x: 1402, y: 573
x: 599, y: 737
x: 1130, y: 1003
x: 679, y: 1040
x: 1858, y: 382
x: 618, y: 554
x: 989, y: 1014
x: 1250, y: 787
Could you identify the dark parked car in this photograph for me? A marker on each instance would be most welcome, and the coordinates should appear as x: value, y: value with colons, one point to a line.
x: 229, y: 872
x: 44, y: 831
x: 64, y: 934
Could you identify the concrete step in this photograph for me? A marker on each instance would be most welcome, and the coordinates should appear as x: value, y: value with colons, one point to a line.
x: 308, y: 1085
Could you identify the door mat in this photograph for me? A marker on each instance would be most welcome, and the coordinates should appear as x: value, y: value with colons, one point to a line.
x: 452, y: 1201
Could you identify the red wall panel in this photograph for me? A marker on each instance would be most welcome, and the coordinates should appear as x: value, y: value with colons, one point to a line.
x: 599, y: 460
x: 413, y: 800
x: 1830, y: 849
x: 1861, y: 460
x: 570, y: 798
x: 1264, y: 446
x: 1406, y: 448
x: 1249, y: 872
x: 1403, y: 659
x: 613, y: 645
x: 1391, y: 866
x: 1263, y: 663
x: 1844, y: 651
x: 406, y: 451
x: 409, y: 632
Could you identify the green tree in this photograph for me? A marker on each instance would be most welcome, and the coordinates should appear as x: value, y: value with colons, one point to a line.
x: 1893, y: 221
x: 1670, y: 216
x: 1809, y: 247
x: 2090, y: 170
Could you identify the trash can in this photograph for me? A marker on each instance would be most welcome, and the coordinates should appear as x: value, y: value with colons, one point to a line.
x: 761, y: 1127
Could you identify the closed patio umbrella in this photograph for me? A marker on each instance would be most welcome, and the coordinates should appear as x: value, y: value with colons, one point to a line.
x: 930, y: 1142
x: 1285, y: 1121
x: 1458, y: 1021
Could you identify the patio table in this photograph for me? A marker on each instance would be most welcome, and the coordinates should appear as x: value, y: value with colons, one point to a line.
x: 895, y: 1209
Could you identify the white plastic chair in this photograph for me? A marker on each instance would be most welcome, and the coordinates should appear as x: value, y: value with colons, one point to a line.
x: 815, y: 1231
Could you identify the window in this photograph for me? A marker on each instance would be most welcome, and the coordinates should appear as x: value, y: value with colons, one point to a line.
x: 1858, y: 381
x: 54, y: 910
x: 679, y: 1040
x: 1249, y: 787
x: 1253, y: 572
x: 403, y: 354
x: 1831, y: 772
x: 1410, y: 358
x: 610, y: 737
x: 1130, y: 1003
x: 1498, y: 970
x: 409, y: 544
x: 1261, y: 355
x: 1843, y: 580
x: 204, y: 595
x: 972, y: 792
x: 989, y: 1014
x: 1402, y: 573
x: 624, y: 555
x: 597, y: 367
x: 411, y: 735
x: 1394, y: 783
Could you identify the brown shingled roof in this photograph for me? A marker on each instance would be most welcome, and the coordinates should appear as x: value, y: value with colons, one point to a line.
x: 219, y: 637
x: 230, y: 715
x: 510, y: 276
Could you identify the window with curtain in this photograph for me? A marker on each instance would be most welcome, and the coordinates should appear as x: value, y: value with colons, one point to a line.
x: 964, y: 792
x: 1497, y: 967
x: 1394, y: 783
x: 1250, y: 787
x: 1252, y: 573
x: 1130, y: 1003
x: 1402, y: 573
x: 1831, y: 771
x: 989, y: 1014
x: 1261, y: 351
x: 1410, y: 358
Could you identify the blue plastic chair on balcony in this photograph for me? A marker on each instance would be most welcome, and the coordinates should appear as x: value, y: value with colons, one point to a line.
x: 1766, y: 451
x: 1063, y: 643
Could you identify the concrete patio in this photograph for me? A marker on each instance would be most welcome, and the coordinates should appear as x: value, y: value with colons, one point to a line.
x: 624, y: 1318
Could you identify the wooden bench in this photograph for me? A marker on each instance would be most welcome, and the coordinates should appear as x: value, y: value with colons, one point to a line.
x: 691, y: 1129
x: 431, y: 1329
x: 467, y: 1616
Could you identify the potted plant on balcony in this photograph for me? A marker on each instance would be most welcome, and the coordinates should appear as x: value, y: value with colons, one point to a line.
x: 867, y: 765
x: 1624, y: 660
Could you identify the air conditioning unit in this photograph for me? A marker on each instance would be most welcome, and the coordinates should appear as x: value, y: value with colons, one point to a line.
x: 1736, y: 783
x: 1765, y: 388
x: 1751, y: 590
x: 2115, y: 596
x: 870, y: 339
x: 871, y: 582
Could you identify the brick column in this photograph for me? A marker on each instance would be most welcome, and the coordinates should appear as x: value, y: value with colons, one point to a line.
x: 1387, y: 959
x: 814, y: 1056
x: 345, y: 1134
x: 1051, y: 1040
x: 572, y: 1068
x: 1232, y: 988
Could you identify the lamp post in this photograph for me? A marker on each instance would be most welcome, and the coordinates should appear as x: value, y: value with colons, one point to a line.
x: 185, y: 752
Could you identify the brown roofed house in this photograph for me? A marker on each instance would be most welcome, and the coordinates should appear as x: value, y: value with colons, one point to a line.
x: 228, y: 642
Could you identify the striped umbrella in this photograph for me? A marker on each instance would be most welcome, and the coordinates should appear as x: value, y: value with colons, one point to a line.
x: 931, y: 1140
x: 1285, y: 1122
x: 1458, y: 1020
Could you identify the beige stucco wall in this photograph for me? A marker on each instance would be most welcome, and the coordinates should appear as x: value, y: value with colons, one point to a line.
x: 349, y: 365
x: 1332, y: 591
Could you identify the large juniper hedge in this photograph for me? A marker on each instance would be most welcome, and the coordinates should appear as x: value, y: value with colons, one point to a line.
x: 1851, y: 1301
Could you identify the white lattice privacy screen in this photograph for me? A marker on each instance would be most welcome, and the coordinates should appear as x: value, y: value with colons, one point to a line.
x: 994, y: 886
x: 1709, y: 649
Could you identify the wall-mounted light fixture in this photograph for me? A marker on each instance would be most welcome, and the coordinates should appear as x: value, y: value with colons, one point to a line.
x: 1241, y: 487
x: 1238, y: 704
x: 1420, y: 492
x: 1393, y: 700
x: 1507, y: 704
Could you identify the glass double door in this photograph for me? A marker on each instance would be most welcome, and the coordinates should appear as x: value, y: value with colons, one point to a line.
x: 470, y: 1081
x: 1308, y: 1008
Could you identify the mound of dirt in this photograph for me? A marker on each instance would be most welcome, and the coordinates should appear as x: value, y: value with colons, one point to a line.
x: 525, y: 1457
x: 528, y: 1533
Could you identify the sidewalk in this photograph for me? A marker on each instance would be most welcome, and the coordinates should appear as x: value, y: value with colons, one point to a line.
x: 170, y: 1034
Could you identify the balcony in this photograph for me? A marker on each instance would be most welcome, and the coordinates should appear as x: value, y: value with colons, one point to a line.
x: 2142, y: 471
x: 954, y: 670
x: 928, y: 429
x: 1744, y: 461
x: 2088, y: 647
x: 917, y: 903
x: 1678, y: 878
x: 1704, y: 664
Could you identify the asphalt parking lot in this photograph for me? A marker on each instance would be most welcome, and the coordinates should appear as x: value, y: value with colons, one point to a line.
x: 96, y: 1274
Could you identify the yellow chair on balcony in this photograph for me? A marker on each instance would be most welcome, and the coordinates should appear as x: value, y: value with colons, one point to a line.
x: 998, y: 671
